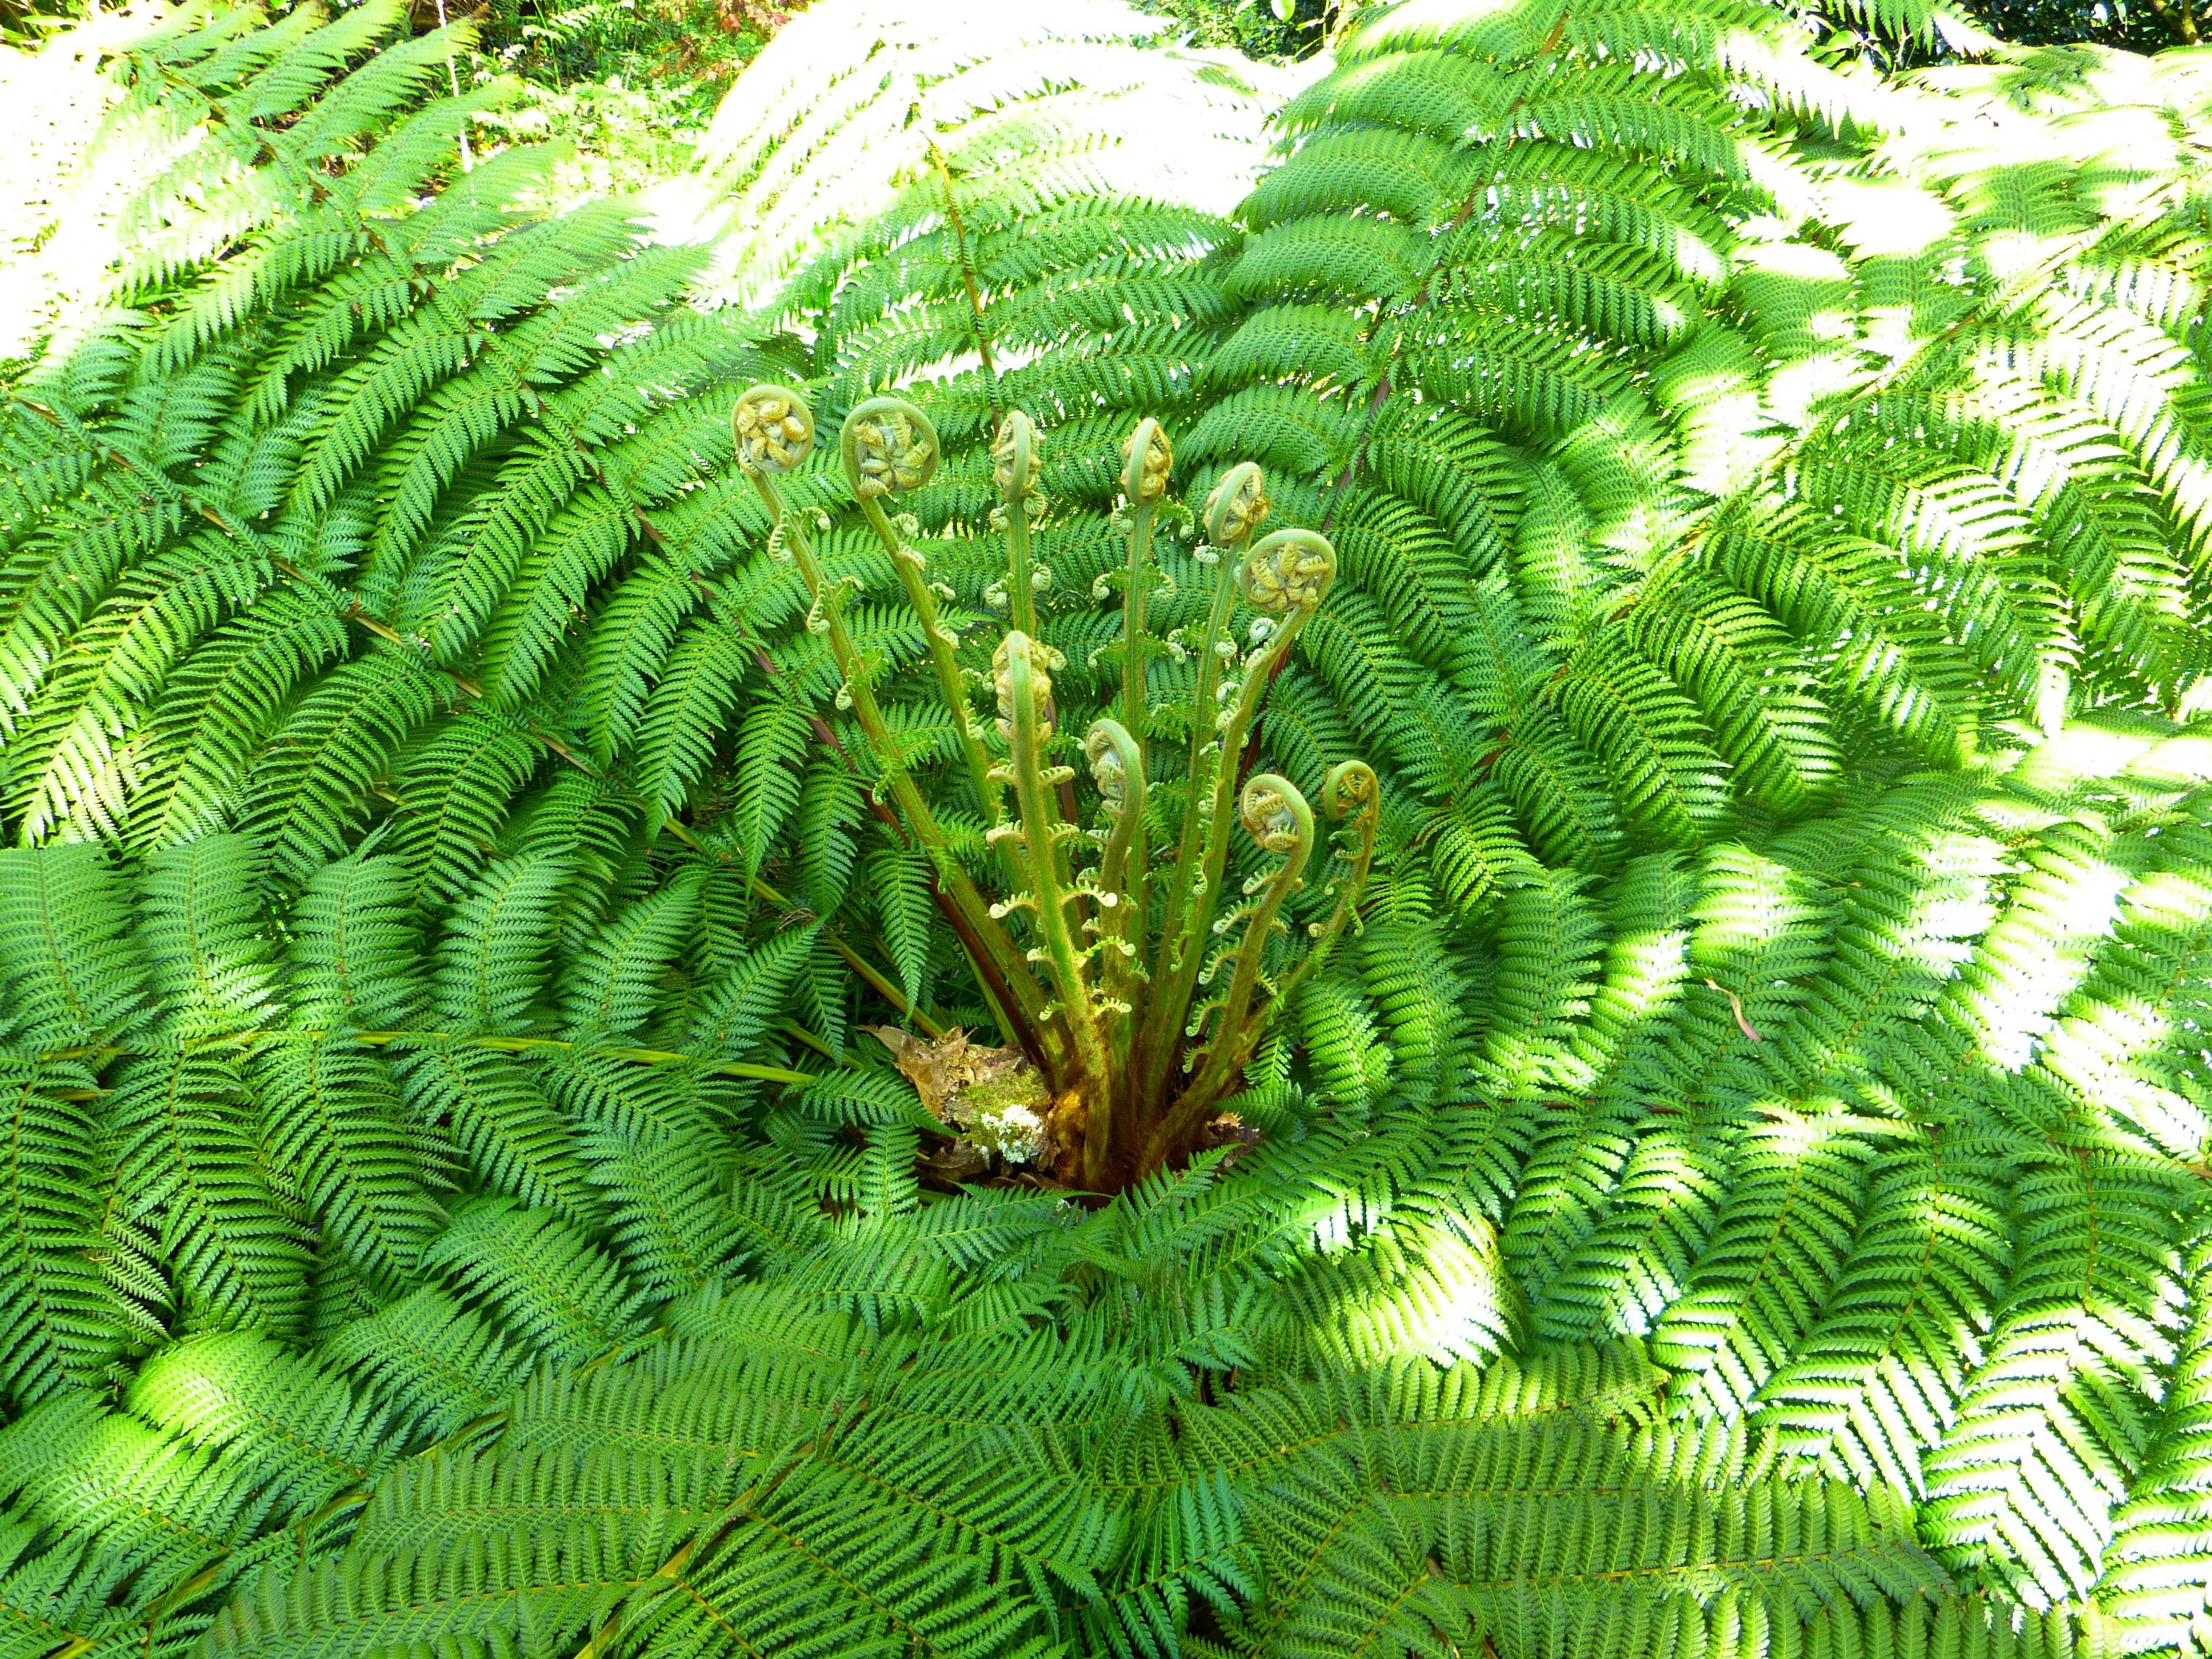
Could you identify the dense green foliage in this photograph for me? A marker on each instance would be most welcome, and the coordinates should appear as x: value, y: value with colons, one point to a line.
x: 2105, y: 22
x: 1738, y: 1189
x: 1259, y: 28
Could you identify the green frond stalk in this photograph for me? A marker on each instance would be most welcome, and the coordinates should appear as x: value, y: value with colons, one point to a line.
x: 860, y: 444
x: 1276, y: 816
x: 774, y: 432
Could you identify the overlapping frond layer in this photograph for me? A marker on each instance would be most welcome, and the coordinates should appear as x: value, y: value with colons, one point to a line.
x: 1696, y: 414
x: 866, y: 126
x: 1739, y: 1188
x: 1698, y: 411
x: 300, y: 514
x: 1796, y: 1243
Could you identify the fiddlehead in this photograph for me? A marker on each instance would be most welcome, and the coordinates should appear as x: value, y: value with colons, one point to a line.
x: 1288, y: 573
x: 1236, y: 507
x: 775, y: 429
x: 1276, y: 816
x: 1117, y: 768
x: 1147, y: 460
x: 889, y: 446
x: 1350, y: 792
x: 1117, y: 1037
x: 1016, y: 459
x: 1115, y: 765
x: 1021, y: 690
x: 1284, y: 577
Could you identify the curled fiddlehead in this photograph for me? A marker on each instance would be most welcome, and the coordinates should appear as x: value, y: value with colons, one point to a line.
x: 1237, y: 506
x: 774, y: 431
x: 889, y: 447
x: 1010, y: 684
x: 1286, y: 575
x: 1276, y: 816
x: 773, y: 427
x: 1016, y: 457
x: 1147, y: 458
x: 1351, y: 790
x: 1353, y: 795
x: 1116, y: 764
x: 1288, y: 571
x: 1117, y: 768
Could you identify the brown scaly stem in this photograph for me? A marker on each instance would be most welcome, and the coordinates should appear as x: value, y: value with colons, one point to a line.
x: 1144, y: 481
x: 1014, y: 470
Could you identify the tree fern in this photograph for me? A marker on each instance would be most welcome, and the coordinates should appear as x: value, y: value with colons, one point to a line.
x: 1728, y: 1178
